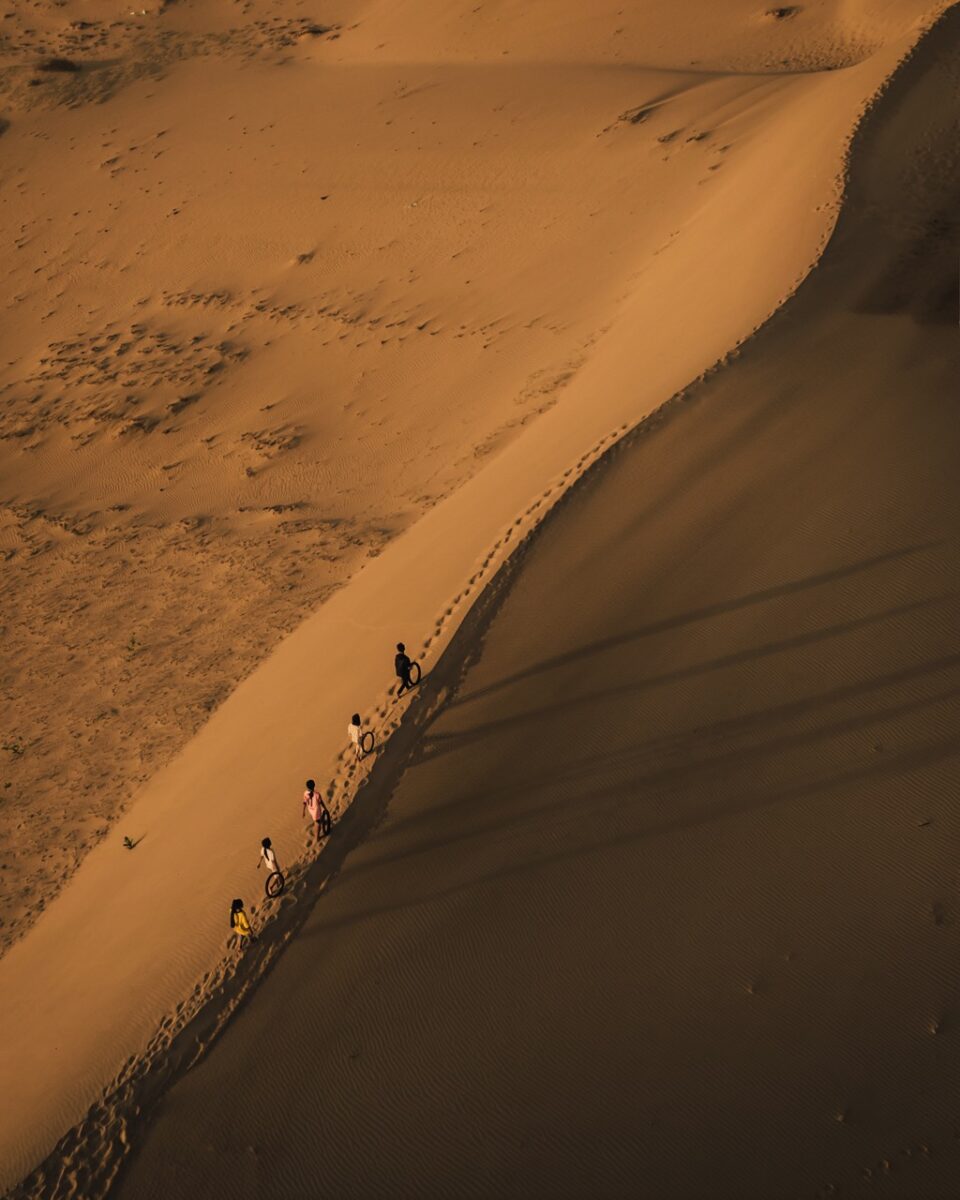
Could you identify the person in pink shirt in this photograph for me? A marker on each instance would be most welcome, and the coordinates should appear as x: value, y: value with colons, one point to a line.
x: 313, y: 803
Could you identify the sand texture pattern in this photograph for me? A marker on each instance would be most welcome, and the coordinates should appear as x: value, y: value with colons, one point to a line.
x: 276, y: 286
x: 311, y: 319
x: 664, y: 902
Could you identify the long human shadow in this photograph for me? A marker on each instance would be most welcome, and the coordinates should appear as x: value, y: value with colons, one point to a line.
x: 437, y: 744
x: 371, y: 803
x: 720, y: 608
x: 636, y: 777
x: 743, y: 724
x: 915, y: 758
x: 374, y: 793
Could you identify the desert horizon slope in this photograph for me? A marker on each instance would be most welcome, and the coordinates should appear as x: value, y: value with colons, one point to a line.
x: 656, y: 216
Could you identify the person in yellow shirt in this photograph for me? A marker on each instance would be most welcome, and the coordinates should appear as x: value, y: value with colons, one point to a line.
x: 240, y: 923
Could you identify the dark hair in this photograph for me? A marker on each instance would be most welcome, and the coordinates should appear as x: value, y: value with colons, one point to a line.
x: 311, y: 785
x: 355, y: 719
x: 236, y: 906
x: 401, y: 647
x: 266, y: 843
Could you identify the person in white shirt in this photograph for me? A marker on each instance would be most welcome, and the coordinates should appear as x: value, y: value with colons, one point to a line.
x: 353, y: 729
x: 268, y: 856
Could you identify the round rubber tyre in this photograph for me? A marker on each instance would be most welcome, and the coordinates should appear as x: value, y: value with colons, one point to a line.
x: 274, y: 885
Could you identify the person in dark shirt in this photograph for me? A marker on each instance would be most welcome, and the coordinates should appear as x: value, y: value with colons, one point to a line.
x: 403, y: 664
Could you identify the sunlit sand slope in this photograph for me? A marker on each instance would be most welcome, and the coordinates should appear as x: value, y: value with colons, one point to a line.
x: 381, y: 305
x: 664, y: 900
x: 278, y: 280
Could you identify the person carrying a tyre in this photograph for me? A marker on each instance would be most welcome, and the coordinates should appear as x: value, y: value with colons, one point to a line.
x: 402, y: 664
x: 268, y: 856
x: 353, y: 731
x: 313, y: 802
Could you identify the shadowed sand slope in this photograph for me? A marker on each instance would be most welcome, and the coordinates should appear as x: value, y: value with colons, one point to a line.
x: 665, y: 902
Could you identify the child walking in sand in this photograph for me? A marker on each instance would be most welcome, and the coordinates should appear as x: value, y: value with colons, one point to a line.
x: 313, y: 802
x: 402, y: 665
x: 268, y: 856
x: 353, y: 730
x: 240, y: 924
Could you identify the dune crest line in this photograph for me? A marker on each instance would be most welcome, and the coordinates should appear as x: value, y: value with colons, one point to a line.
x: 106, y: 959
x: 674, y: 865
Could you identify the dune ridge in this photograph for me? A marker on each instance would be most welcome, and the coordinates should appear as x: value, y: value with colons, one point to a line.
x: 222, y: 995
x: 664, y: 897
x: 171, y: 469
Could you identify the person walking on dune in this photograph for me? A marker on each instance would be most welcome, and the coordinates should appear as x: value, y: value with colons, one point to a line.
x: 240, y: 924
x: 313, y: 802
x: 268, y: 856
x: 356, y: 738
x: 402, y: 665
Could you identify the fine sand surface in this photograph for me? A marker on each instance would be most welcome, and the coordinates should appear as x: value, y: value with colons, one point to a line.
x: 276, y: 286
x: 584, y: 229
x: 278, y: 281
x: 664, y: 899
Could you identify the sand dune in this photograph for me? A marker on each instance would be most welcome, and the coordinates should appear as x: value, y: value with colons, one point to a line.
x: 412, y: 278
x: 279, y: 286
x: 663, y: 902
